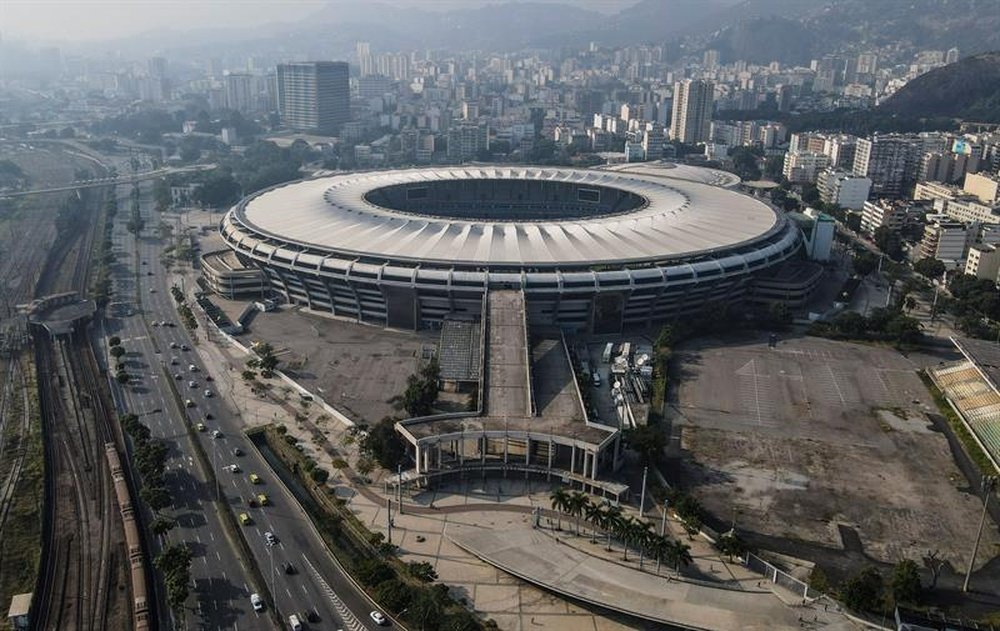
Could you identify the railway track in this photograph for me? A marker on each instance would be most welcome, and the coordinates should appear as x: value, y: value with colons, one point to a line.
x: 14, y: 391
x: 85, y: 562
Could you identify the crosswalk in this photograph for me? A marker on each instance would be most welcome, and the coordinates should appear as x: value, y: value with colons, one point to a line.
x: 351, y: 621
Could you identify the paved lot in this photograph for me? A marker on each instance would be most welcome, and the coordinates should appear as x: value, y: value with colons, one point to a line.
x: 354, y: 367
x: 813, y: 435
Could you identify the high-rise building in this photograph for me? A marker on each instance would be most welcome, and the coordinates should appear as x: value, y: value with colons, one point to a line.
x: 843, y: 189
x: 885, y: 160
x: 691, y: 119
x: 363, y: 50
x: 710, y: 59
x: 240, y: 93
x: 314, y: 96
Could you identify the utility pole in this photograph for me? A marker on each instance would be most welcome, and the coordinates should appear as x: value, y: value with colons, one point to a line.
x: 399, y: 486
x: 388, y: 517
x: 642, y: 498
x: 663, y: 520
x: 988, y: 484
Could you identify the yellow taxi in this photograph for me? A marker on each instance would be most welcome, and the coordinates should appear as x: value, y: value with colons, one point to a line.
x: 245, y: 519
x: 254, y: 478
x: 262, y: 499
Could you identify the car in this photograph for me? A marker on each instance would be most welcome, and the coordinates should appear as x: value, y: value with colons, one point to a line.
x: 270, y: 539
x: 209, y: 378
x: 235, y: 468
x: 192, y: 384
x: 294, y: 623
x: 237, y: 451
x: 155, y: 323
x: 189, y: 403
x: 201, y: 427
x: 254, y: 478
x: 378, y: 618
x: 263, y: 499
x: 152, y: 290
x: 289, y: 568
x: 145, y: 263
x: 209, y: 416
x: 149, y: 273
x: 256, y: 602
x: 192, y: 368
x: 245, y: 519
x: 184, y: 347
x: 173, y: 361
x: 216, y: 434
x: 178, y: 376
x: 207, y: 393
x: 251, y: 502
x: 313, y: 616
x: 174, y: 345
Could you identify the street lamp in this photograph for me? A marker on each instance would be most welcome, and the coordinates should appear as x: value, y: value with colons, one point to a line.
x: 988, y: 484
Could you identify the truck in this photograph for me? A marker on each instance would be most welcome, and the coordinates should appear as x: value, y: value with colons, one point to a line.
x: 608, y: 349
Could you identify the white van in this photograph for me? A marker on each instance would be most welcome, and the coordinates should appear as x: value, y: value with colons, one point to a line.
x: 294, y: 623
x: 597, y: 379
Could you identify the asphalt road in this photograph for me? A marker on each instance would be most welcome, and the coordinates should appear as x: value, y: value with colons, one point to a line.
x: 221, y: 582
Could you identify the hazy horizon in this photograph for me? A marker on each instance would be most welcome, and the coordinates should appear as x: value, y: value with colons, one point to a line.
x: 65, y: 21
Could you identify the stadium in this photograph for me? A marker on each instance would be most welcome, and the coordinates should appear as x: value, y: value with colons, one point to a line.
x: 592, y: 250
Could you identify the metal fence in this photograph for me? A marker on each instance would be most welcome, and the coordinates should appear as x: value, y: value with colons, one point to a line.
x: 780, y: 577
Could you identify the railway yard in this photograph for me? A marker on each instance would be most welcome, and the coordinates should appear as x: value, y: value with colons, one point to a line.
x: 61, y: 531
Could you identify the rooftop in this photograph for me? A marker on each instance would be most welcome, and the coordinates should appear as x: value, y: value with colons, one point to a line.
x: 678, y: 218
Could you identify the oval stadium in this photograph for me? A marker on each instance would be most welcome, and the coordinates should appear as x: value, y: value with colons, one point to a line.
x: 593, y: 250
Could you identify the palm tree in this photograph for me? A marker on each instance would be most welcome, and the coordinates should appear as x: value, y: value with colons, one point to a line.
x: 574, y: 506
x: 642, y: 531
x: 560, y: 502
x: 594, y: 513
x: 626, y: 532
x: 611, y: 522
x: 679, y: 553
x: 658, y: 545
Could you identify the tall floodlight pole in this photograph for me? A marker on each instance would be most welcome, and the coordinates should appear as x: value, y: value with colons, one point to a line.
x: 642, y: 498
x: 989, y: 483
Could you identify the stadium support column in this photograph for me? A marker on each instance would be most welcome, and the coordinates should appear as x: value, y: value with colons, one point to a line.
x: 572, y: 460
x: 552, y: 449
x: 593, y: 468
x: 527, y: 451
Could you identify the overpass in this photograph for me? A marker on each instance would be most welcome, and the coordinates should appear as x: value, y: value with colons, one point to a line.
x: 110, y: 181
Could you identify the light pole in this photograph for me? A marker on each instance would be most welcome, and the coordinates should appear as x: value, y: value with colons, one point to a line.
x: 663, y: 520
x: 642, y: 498
x: 988, y: 484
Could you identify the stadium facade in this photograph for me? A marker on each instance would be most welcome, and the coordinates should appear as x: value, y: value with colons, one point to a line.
x: 593, y: 250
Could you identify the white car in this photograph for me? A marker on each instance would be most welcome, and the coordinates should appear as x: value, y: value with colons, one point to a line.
x: 216, y: 434
x: 378, y: 618
x: 270, y: 539
x: 257, y: 602
x: 294, y: 623
x: 192, y: 384
x: 208, y: 394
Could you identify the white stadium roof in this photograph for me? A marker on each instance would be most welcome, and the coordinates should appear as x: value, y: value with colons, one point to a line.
x: 682, y: 218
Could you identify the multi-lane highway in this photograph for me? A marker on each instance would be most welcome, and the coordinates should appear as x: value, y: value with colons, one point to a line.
x: 297, y: 569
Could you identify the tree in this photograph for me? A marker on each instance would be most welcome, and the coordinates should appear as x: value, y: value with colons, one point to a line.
x: 426, y: 609
x: 679, y: 554
x: 863, y: 591
x: 364, y: 466
x: 114, y: 340
x: 319, y: 475
x: 393, y: 594
x: 578, y: 501
x: 117, y: 351
x: 162, y: 525
x: 384, y: 444
x: 850, y: 324
x: 559, y: 500
x: 610, y: 521
x: 905, y: 582
x: 889, y: 242
x: 220, y: 189
x: 731, y: 545
x: 593, y: 513
x: 422, y: 571
x: 156, y: 497
x: 929, y: 267
x: 648, y: 441
x: 864, y: 263
x: 122, y: 377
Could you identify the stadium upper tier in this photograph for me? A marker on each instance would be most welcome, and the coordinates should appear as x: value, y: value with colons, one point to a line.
x: 479, y: 217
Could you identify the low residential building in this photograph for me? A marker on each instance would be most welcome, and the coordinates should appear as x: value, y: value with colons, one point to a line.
x: 889, y: 213
x: 843, y: 188
x: 983, y: 261
x: 946, y: 241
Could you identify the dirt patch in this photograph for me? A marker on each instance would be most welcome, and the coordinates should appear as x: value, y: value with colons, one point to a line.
x: 814, y: 435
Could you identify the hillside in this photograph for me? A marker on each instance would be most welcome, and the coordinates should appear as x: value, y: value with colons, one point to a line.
x: 968, y: 89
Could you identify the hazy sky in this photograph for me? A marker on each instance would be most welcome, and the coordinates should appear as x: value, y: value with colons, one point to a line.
x: 34, y: 21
